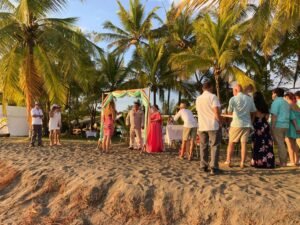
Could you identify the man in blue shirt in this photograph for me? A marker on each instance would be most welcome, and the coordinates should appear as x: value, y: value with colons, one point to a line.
x: 280, y: 121
x: 242, y: 107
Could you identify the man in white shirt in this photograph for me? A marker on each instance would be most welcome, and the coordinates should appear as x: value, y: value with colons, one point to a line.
x: 37, y: 122
x: 209, y: 124
x: 189, y: 129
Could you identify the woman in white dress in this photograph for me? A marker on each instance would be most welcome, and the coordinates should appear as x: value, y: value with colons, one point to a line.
x: 54, y: 125
x: 57, y: 131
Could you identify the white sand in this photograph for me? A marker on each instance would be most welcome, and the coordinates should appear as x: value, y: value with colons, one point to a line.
x: 76, y: 185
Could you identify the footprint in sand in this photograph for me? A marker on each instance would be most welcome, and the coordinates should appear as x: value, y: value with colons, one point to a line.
x: 144, y: 172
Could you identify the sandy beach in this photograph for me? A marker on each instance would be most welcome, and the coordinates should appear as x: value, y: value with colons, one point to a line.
x: 75, y: 184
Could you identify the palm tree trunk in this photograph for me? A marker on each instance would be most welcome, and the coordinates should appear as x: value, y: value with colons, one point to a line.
x: 27, y: 69
x: 168, y: 101
x: 179, y: 97
x: 217, y: 73
x: 266, y: 80
x: 69, y: 102
x: 154, y: 96
x: 297, y: 70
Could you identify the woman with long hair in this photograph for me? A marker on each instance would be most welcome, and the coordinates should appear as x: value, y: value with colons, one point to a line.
x: 262, y: 142
x: 154, y: 138
x: 109, y: 127
x: 57, y: 131
x: 294, y: 129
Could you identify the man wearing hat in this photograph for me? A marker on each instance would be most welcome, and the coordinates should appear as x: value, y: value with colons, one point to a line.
x: 37, y: 123
x: 135, y: 119
x: 189, y: 129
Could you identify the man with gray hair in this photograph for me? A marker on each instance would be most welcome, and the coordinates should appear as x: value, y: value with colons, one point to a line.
x: 242, y: 107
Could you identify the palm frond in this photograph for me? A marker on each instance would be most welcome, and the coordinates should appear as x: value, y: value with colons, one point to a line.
x: 241, y: 77
x: 110, y: 26
x: 7, y: 5
x: 53, y: 82
x: 9, y: 75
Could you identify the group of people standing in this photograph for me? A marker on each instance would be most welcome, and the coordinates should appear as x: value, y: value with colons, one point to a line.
x: 251, y: 120
x: 37, y: 125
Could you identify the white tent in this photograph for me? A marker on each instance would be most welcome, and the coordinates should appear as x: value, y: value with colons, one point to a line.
x: 15, y: 124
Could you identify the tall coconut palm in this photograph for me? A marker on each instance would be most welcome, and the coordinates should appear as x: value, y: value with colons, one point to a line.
x: 179, y: 35
x: 151, y: 62
x: 136, y: 26
x: 217, y: 46
x: 113, y: 72
x: 36, y: 52
x: 177, y: 30
x: 271, y: 21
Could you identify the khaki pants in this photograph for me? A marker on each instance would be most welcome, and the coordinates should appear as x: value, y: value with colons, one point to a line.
x: 136, y: 133
x: 279, y: 135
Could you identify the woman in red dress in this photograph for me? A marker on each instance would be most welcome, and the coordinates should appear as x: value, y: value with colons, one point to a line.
x: 154, y: 138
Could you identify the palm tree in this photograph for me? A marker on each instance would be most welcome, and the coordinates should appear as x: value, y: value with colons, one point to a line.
x: 177, y: 30
x: 36, y: 52
x: 179, y: 35
x: 136, y: 26
x: 113, y: 72
x: 270, y: 22
x: 151, y: 64
x: 217, y: 46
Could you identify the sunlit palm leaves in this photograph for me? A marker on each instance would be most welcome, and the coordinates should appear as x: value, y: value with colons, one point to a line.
x: 113, y: 71
x: 37, y: 52
x: 217, y: 45
x: 136, y: 26
x: 270, y: 22
x: 151, y: 63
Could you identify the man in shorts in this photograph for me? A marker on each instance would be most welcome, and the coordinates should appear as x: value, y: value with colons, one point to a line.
x: 242, y: 107
x: 189, y: 129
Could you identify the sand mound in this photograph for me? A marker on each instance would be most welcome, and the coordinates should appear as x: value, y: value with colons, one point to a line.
x: 76, y: 185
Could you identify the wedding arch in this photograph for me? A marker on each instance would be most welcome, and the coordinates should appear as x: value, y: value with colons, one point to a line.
x: 136, y: 93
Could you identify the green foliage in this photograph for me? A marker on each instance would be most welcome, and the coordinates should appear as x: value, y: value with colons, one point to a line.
x: 31, y: 49
x: 51, y: 60
x: 136, y: 26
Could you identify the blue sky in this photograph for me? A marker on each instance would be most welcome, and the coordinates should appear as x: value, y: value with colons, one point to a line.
x: 93, y: 13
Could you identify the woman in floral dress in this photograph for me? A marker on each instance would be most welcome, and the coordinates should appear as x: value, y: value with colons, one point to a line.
x: 262, y: 143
